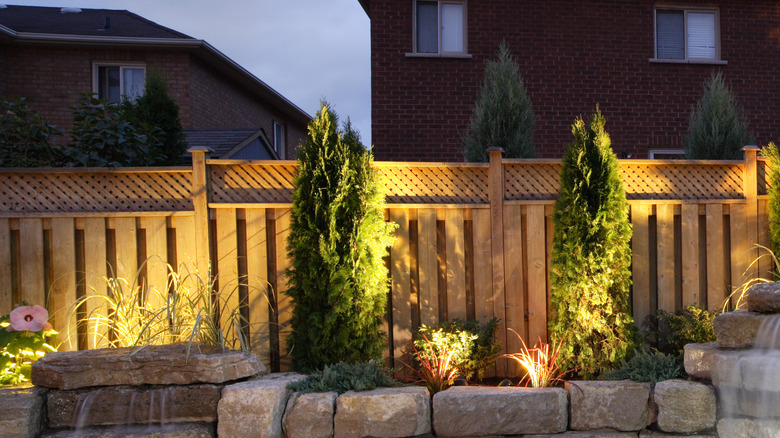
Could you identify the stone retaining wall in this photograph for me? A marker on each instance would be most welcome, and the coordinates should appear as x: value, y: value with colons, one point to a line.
x: 264, y: 407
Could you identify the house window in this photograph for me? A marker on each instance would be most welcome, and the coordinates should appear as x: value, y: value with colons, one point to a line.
x: 111, y: 82
x: 279, y: 139
x: 687, y: 34
x: 440, y: 27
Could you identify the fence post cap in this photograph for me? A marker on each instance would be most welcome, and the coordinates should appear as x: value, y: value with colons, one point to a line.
x: 750, y: 147
x: 194, y: 149
x: 495, y: 149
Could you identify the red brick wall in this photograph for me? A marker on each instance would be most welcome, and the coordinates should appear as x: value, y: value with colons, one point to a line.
x: 573, y: 55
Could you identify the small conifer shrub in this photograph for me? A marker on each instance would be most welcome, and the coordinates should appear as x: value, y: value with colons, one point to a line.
x: 503, y: 116
x: 343, y: 377
x: 591, y: 255
x: 338, y: 280
x: 772, y: 155
x: 718, y: 129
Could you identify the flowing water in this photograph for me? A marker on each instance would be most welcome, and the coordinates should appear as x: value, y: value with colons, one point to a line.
x: 147, y: 407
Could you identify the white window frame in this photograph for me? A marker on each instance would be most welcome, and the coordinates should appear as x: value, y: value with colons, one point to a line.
x: 280, y: 145
x: 440, y: 53
x: 653, y: 152
x: 685, y: 10
x: 122, y: 65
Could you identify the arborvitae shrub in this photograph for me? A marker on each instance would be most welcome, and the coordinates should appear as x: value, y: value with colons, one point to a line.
x: 338, y: 280
x: 156, y: 110
x: 25, y: 138
x: 591, y: 255
x: 718, y: 128
x: 503, y: 116
x: 773, y: 175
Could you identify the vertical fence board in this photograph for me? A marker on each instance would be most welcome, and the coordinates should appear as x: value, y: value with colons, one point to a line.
x: 126, y: 248
x: 456, y: 264
x: 257, y: 284
x: 640, y: 243
x: 94, y: 274
x: 716, y: 278
x: 427, y: 266
x: 283, y: 303
x: 513, y: 262
x: 31, y: 261
x: 156, y: 259
x: 483, y: 273
x: 690, y: 255
x: 537, y: 296
x: 63, y: 284
x: 186, y: 258
x: 401, y: 294
x: 6, y: 294
x: 227, y: 265
x: 665, y: 256
x: 741, y: 251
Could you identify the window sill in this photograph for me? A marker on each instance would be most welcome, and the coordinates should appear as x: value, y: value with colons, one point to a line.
x: 438, y: 55
x: 687, y: 61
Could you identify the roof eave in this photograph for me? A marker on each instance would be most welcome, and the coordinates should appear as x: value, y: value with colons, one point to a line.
x: 366, y: 6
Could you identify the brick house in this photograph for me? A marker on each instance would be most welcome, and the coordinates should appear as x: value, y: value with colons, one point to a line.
x: 643, y: 62
x: 53, y: 54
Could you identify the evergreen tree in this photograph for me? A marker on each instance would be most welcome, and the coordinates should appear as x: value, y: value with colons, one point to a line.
x: 25, y: 138
x: 338, y: 238
x: 591, y: 255
x: 155, y: 113
x: 772, y: 155
x: 718, y: 128
x: 503, y: 116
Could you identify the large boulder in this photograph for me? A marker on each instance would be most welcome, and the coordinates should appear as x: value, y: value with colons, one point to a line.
x: 622, y: 405
x: 685, y: 407
x: 21, y: 412
x: 152, y: 365
x: 309, y: 415
x: 383, y: 412
x: 107, y: 406
x: 254, y: 408
x: 737, y: 329
x: 478, y: 411
x: 587, y: 434
x: 698, y: 360
x: 748, y: 428
x: 764, y: 297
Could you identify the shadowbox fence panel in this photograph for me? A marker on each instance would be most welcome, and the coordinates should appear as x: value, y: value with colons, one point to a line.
x: 474, y: 240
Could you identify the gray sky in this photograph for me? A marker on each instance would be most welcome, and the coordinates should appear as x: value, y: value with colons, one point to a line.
x: 304, y: 49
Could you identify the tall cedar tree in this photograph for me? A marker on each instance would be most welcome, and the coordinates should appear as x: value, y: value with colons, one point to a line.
x: 718, y: 128
x: 155, y: 113
x: 338, y: 238
x: 503, y: 116
x: 591, y: 255
x: 772, y: 155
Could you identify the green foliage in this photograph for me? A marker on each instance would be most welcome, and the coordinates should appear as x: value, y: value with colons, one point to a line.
x: 651, y: 366
x: 338, y: 238
x: 483, y: 351
x: 591, y: 255
x: 503, y: 116
x: 25, y: 138
x: 436, y: 356
x: 542, y: 365
x: 103, y: 137
x: 154, y: 110
x: 718, y: 129
x: 20, y: 349
x: 773, y: 175
x: 669, y: 332
x: 343, y: 377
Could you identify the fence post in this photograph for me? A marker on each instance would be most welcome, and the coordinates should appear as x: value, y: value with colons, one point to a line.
x: 750, y: 187
x: 200, y: 202
x: 496, y: 190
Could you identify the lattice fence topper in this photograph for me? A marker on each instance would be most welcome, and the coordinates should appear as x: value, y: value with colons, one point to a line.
x: 532, y: 181
x: 252, y: 183
x: 103, y: 190
x: 434, y: 183
x: 645, y: 180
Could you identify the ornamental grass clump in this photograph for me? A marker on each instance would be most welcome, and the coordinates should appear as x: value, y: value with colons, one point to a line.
x: 338, y: 280
x: 591, y: 255
x: 482, y: 337
x: 438, y: 353
x: 542, y: 364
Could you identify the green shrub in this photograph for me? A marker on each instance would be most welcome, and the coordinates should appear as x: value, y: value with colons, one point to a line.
x: 25, y: 138
x: 591, y: 256
x: 503, y: 116
x: 103, y: 137
x: 718, y: 129
x: 482, y: 337
x: 669, y: 332
x: 343, y: 377
x: 652, y: 366
x: 338, y: 280
x: 437, y: 353
x: 154, y: 110
x: 772, y: 155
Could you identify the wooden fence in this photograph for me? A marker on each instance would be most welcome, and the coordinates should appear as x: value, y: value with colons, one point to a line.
x: 474, y: 240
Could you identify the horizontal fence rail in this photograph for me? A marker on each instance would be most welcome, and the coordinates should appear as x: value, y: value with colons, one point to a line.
x: 474, y: 240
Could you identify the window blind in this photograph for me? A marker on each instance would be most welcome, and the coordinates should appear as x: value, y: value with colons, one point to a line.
x: 427, y: 27
x: 670, y: 34
x: 452, y: 27
x: 701, y: 35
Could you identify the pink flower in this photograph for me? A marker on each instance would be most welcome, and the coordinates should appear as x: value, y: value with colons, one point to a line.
x: 32, y: 318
